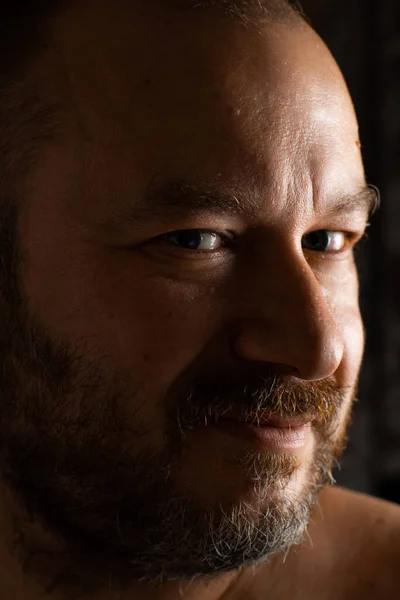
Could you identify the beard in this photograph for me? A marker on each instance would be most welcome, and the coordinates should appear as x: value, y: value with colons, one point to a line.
x: 81, y: 468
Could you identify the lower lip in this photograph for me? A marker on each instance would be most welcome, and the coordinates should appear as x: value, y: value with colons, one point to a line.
x: 267, y: 438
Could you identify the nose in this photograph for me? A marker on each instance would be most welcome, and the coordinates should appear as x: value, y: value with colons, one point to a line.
x: 289, y: 322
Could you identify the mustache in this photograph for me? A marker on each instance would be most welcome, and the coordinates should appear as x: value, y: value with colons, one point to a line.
x: 255, y: 396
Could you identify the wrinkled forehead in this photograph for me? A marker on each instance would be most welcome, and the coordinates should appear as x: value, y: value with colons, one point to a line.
x: 184, y: 90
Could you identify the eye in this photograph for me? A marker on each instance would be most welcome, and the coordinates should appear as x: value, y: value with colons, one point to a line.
x: 195, y: 239
x: 326, y: 241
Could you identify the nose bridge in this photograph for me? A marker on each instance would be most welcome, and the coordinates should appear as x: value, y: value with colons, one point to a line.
x: 290, y: 321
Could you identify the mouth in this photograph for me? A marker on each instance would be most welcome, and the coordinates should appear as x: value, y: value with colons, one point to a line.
x: 272, y: 433
x: 266, y: 420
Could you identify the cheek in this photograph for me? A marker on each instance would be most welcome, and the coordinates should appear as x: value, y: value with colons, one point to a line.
x: 340, y: 288
x: 164, y: 324
x: 144, y: 324
x: 353, y: 335
x: 354, y: 339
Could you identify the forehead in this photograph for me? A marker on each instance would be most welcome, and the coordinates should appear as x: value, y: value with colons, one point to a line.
x: 190, y: 95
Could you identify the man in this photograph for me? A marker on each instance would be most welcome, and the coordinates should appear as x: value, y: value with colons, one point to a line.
x: 182, y: 192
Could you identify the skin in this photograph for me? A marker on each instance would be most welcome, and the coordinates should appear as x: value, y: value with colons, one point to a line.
x: 267, y: 117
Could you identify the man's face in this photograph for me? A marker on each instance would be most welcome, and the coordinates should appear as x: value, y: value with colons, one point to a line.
x: 183, y: 252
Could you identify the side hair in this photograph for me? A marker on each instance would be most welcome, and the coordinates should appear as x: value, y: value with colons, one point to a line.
x: 25, y: 118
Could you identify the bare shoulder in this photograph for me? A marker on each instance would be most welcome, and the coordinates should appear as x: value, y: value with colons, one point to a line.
x: 352, y: 551
x: 365, y: 532
x: 373, y: 512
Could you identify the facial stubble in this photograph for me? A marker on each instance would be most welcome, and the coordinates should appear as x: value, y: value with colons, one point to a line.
x: 77, y: 466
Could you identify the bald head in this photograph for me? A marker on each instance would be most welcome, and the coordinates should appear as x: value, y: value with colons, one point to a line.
x: 25, y: 26
x: 248, y: 11
x: 27, y: 116
x: 207, y: 80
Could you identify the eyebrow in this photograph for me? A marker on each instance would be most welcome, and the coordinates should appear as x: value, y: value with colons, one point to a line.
x: 172, y: 198
x: 175, y: 196
x: 367, y: 201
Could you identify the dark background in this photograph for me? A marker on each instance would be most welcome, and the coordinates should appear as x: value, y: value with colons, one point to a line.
x: 364, y: 37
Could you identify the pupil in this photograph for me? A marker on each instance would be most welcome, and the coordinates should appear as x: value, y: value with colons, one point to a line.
x: 317, y: 240
x: 190, y: 239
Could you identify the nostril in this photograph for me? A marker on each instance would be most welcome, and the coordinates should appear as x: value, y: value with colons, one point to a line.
x: 294, y: 344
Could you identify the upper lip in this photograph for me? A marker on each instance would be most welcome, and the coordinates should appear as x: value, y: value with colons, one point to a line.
x: 269, y: 420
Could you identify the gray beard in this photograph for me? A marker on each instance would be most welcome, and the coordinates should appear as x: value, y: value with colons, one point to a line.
x: 117, y: 510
